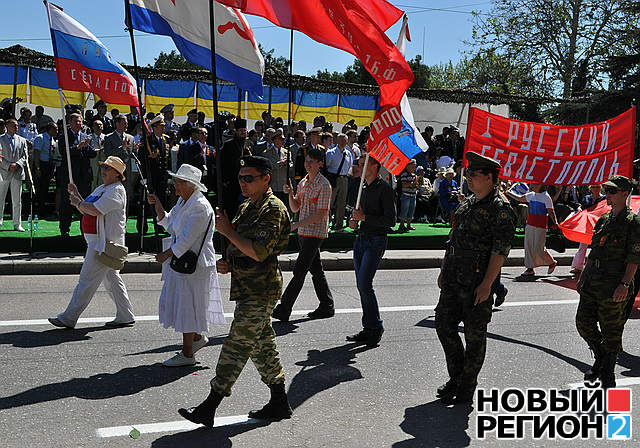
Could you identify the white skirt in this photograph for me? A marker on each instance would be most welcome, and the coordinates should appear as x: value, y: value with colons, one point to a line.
x: 191, y: 302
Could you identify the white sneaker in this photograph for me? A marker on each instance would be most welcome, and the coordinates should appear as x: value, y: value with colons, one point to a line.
x: 197, y: 345
x: 18, y: 228
x: 179, y: 360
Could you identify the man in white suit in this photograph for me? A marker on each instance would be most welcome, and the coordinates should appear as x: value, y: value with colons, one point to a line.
x: 13, y: 159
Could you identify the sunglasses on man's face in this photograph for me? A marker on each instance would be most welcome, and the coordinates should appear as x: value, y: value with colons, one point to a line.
x: 248, y: 178
x: 473, y: 173
x: 610, y: 190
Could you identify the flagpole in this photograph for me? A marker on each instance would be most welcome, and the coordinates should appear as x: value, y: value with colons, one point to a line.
x: 15, y: 87
x: 364, y: 170
x: 64, y: 114
x: 143, y: 181
x: 214, y: 88
x: 290, y: 101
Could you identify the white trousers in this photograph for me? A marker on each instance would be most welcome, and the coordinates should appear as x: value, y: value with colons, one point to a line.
x: 15, y: 184
x: 91, y: 275
x: 578, y: 258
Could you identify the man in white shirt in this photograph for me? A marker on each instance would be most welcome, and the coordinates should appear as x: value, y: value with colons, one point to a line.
x: 13, y: 160
x: 339, y: 161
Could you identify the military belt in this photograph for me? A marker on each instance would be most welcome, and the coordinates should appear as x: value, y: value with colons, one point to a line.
x: 467, y: 253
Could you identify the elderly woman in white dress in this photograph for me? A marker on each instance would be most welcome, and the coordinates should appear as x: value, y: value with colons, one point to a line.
x: 189, y: 302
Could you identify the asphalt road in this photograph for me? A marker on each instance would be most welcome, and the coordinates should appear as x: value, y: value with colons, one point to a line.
x: 90, y: 386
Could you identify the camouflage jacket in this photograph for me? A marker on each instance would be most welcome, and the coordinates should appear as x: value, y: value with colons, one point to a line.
x: 479, y: 228
x: 266, y: 223
x: 615, y: 242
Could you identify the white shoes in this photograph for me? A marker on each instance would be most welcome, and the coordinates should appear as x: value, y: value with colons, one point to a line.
x: 179, y: 360
x: 197, y: 345
x: 19, y: 228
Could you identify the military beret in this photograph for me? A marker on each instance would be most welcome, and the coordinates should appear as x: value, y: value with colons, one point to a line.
x: 99, y: 103
x: 258, y: 162
x: 167, y: 108
x: 619, y: 182
x: 479, y: 162
x: 241, y: 123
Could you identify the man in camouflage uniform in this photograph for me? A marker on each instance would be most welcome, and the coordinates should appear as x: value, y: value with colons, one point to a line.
x: 257, y: 235
x: 606, y: 284
x: 480, y: 240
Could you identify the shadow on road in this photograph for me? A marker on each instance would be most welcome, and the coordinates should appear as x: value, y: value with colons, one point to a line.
x: 204, y: 437
x: 582, y: 366
x: 128, y: 381
x: 324, y: 369
x: 631, y: 362
x: 47, y: 338
x: 435, y: 425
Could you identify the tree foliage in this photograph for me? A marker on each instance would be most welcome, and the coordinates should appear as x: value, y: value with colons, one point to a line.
x: 565, y: 43
x: 173, y: 60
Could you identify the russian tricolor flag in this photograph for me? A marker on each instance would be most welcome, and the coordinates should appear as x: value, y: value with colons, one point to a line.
x: 238, y: 59
x: 394, y: 138
x: 84, y: 64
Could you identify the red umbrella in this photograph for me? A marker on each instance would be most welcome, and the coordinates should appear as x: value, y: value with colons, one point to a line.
x: 579, y: 227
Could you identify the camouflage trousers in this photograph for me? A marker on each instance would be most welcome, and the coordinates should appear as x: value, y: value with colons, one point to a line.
x: 455, y: 306
x: 600, y: 320
x: 251, y: 336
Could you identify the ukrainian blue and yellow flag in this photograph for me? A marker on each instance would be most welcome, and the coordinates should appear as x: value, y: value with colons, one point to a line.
x: 159, y: 93
x: 360, y: 108
x: 6, y: 82
x: 44, y: 90
x: 279, y: 103
x: 308, y: 105
x: 230, y: 99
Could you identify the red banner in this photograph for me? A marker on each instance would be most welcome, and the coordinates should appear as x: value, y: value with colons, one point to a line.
x: 355, y: 26
x: 554, y: 155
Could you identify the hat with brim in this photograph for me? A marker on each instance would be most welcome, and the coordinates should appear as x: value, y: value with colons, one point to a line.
x: 316, y: 130
x: 168, y: 108
x: 620, y: 182
x: 189, y: 173
x: 480, y: 162
x: 116, y: 163
x: 158, y: 119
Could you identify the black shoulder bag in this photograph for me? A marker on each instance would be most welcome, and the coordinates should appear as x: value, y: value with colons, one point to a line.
x: 188, y: 262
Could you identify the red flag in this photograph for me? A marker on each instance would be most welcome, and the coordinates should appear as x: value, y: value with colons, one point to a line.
x: 355, y: 26
x: 579, y: 227
x: 554, y: 155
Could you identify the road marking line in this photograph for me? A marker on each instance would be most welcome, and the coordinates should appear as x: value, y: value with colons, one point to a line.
x: 620, y: 382
x: 383, y: 309
x: 179, y: 425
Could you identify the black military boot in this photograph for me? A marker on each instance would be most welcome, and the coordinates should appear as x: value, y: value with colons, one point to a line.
x: 501, y: 295
x: 277, y: 408
x: 205, y: 412
x: 607, y: 375
x: 448, y: 388
x: 593, y: 373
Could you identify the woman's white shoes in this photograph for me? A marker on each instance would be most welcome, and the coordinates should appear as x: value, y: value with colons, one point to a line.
x: 197, y: 345
x: 179, y: 360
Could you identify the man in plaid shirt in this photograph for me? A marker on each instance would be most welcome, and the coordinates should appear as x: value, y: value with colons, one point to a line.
x: 313, y: 201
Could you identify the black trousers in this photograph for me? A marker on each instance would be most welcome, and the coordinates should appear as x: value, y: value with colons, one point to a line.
x: 308, y: 261
x: 46, y: 173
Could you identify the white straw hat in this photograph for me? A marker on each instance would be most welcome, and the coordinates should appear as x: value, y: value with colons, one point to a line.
x: 191, y: 174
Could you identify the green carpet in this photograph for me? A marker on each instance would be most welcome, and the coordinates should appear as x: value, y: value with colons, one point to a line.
x: 47, y: 238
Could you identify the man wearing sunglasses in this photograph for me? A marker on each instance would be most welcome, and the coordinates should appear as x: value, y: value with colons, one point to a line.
x: 606, y: 284
x: 482, y: 229
x: 257, y: 235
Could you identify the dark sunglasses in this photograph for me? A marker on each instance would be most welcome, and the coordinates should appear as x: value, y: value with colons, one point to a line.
x: 248, y: 178
x: 473, y: 173
x: 610, y: 190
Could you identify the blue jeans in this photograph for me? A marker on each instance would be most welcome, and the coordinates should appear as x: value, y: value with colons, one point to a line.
x: 407, y: 206
x: 367, y: 253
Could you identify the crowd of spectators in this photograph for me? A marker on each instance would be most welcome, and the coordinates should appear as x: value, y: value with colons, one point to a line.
x: 427, y: 191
